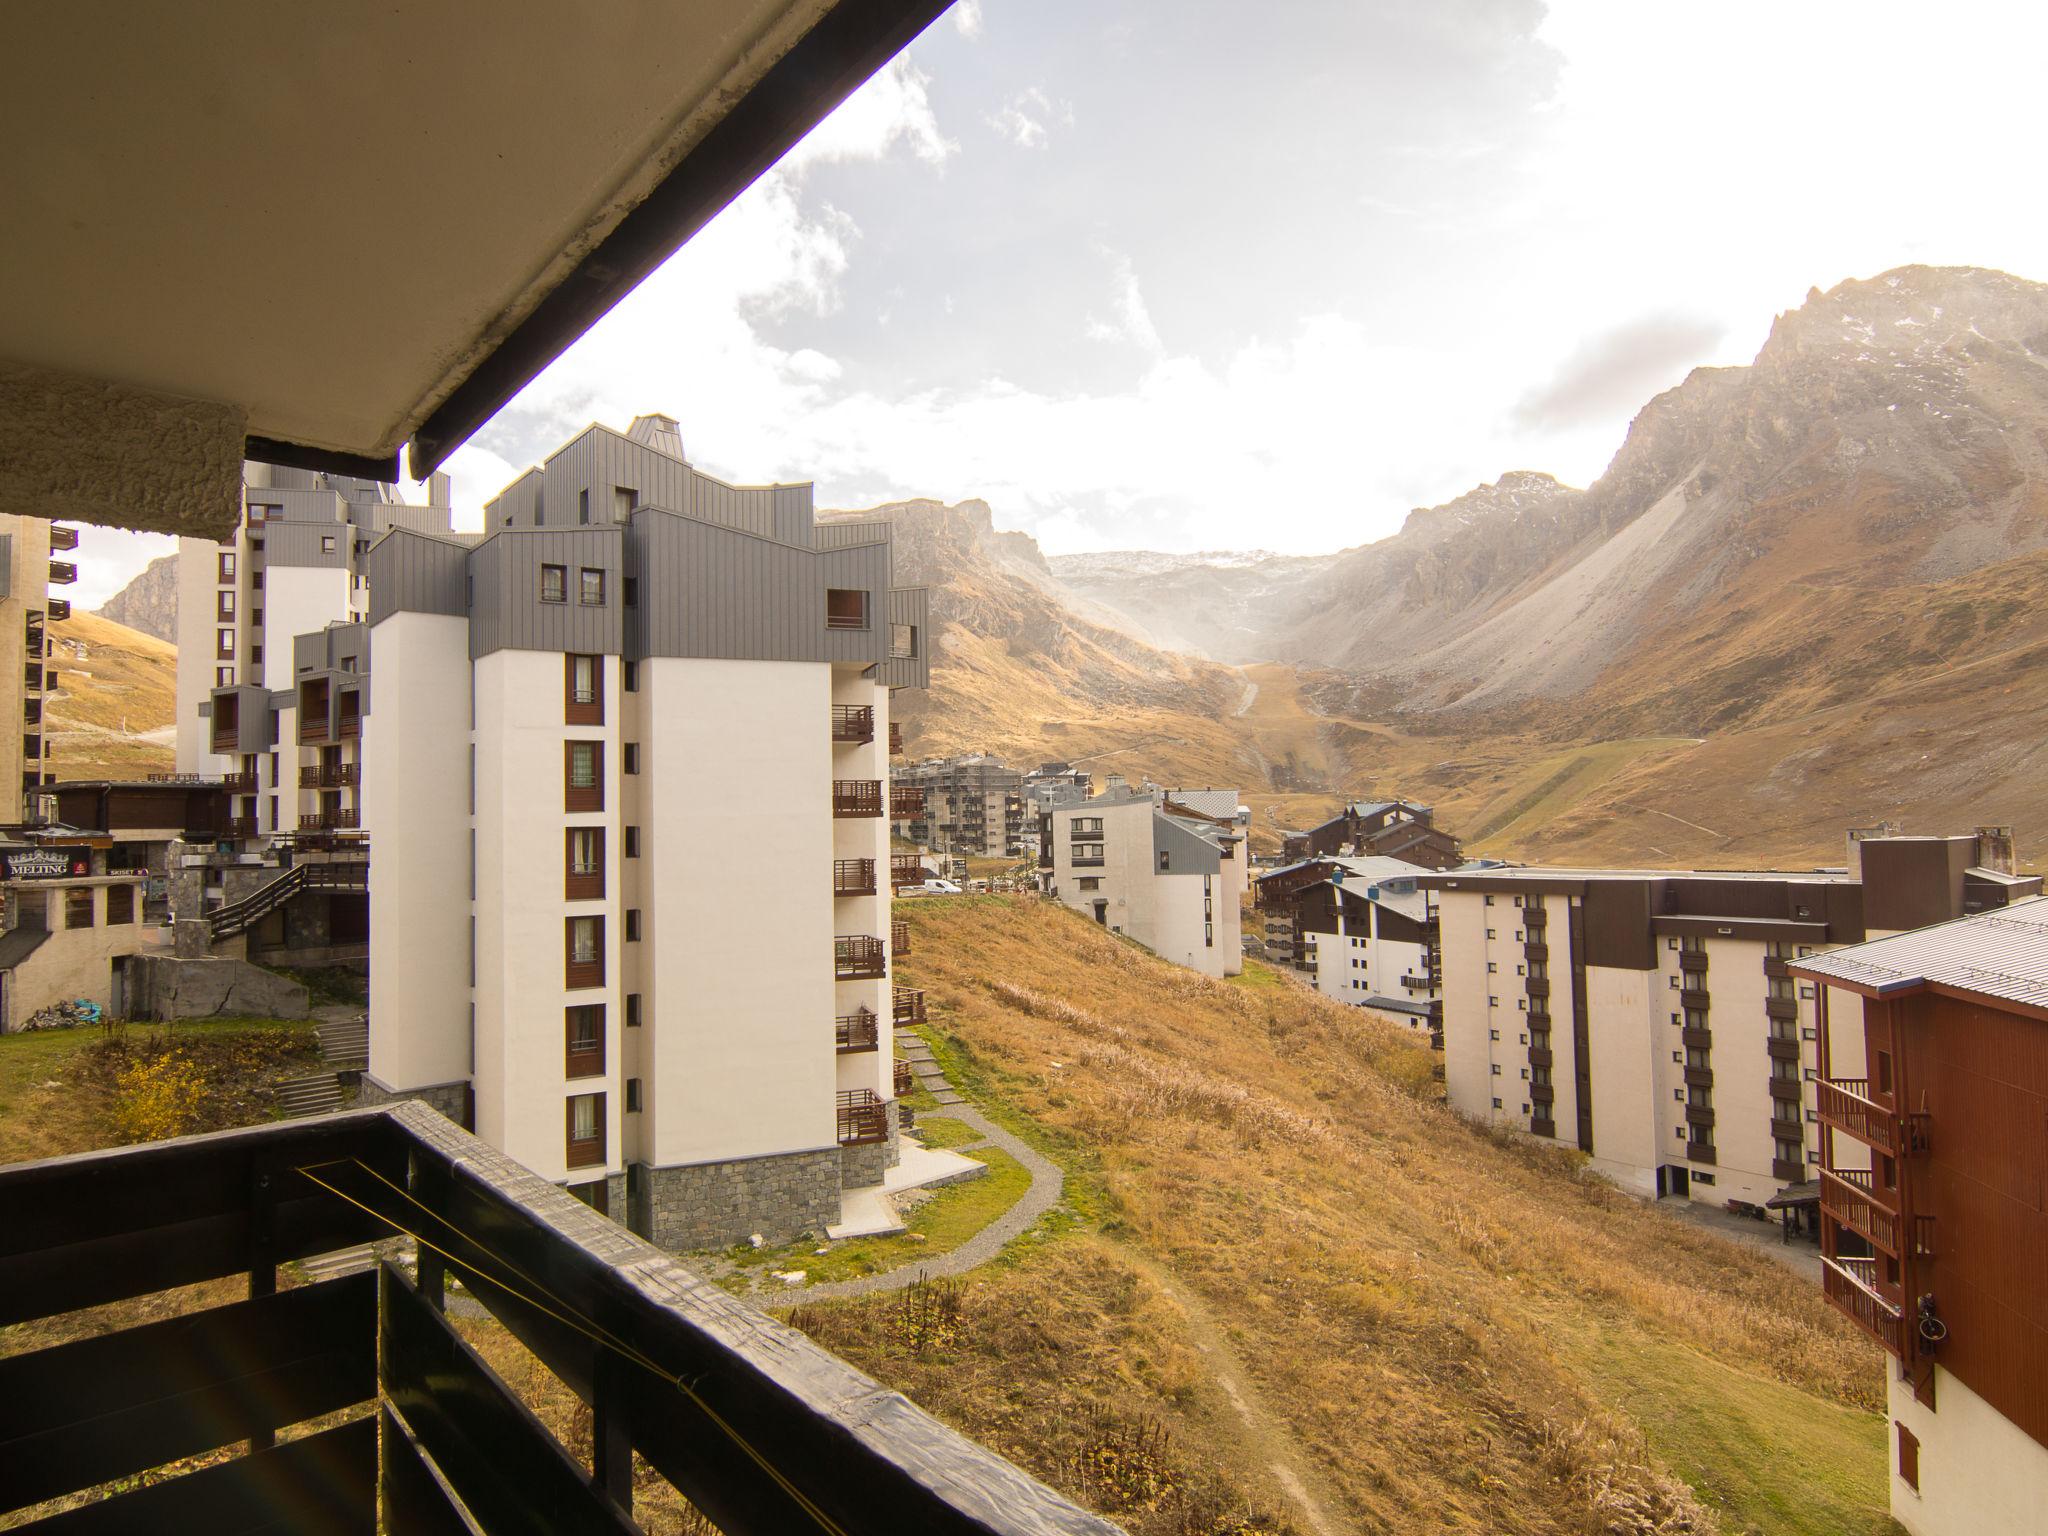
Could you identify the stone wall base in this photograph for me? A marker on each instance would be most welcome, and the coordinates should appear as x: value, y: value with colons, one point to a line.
x: 869, y: 1163
x: 714, y: 1205
x: 449, y: 1100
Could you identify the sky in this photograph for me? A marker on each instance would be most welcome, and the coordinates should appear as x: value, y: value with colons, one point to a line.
x: 1181, y: 275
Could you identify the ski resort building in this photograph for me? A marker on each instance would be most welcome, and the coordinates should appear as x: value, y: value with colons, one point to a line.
x: 1933, y: 1129
x: 692, y: 1030
x: 1368, y: 937
x: 1163, y: 876
x: 29, y: 568
x: 971, y: 805
x: 1651, y: 1018
x: 1398, y: 829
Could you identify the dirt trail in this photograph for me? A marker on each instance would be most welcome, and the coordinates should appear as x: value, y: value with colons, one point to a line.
x: 1266, y: 1436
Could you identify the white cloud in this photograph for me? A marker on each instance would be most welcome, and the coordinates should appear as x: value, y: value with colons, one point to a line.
x: 892, y: 108
x: 1133, y: 322
x: 1027, y: 118
x: 967, y: 17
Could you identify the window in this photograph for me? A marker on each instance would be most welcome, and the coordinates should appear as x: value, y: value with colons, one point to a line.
x: 584, y: 688
x: 590, y: 587
x: 583, y: 507
x: 632, y: 1010
x: 583, y: 1030
x: 1489, y: 902
x: 224, y: 644
x: 1165, y: 861
x: 1491, y: 967
x: 1496, y: 1103
x: 631, y: 668
x: 1493, y: 1034
x: 586, y: 1130
x: 632, y: 591
x: 1884, y: 1072
x: 903, y: 641
x: 1087, y: 853
x: 224, y: 606
x: 1491, y: 934
x: 223, y: 677
x: 1493, y: 1002
x: 1702, y: 1178
x: 624, y: 500
x: 227, y: 565
x: 1909, y: 1458
x: 632, y: 842
x: 586, y: 864
x: 1495, y: 1069
x: 120, y: 904
x: 78, y: 907
x: 554, y: 583
x: 846, y: 608
x: 585, y: 770
x: 632, y: 925
x: 632, y: 1095
x: 1091, y: 883
x: 632, y: 759
x: 326, y: 543
x: 585, y: 952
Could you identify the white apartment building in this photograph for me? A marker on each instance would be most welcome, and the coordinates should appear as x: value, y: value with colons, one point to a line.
x: 1165, y: 877
x: 627, y: 778
x: 296, y: 565
x: 28, y: 569
x: 1368, y: 936
x: 1651, y: 1018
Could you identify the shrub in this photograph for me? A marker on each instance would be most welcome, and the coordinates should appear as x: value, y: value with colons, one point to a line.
x: 158, y: 1097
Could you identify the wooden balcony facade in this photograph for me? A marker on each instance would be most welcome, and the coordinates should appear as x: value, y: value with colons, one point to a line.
x: 339, y: 819
x: 1851, y: 1286
x: 856, y: 797
x: 899, y: 938
x: 906, y: 869
x: 859, y: 1030
x: 855, y: 958
x: 330, y: 776
x: 853, y: 877
x: 906, y: 803
x: 1849, y: 1196
x: 1846, y: 1105
x: 895, y: 739
x: 908, y: 1006
x: 755, y: 1425
x: 1692, y: 962
x: 863, y: 1117
x: 852, y: 725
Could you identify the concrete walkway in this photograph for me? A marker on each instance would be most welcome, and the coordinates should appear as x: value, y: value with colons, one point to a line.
x: 1801, y: 1255
x: 1047, y: 1184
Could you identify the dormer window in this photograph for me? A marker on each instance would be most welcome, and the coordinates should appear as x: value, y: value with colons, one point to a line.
x: 846, y: 608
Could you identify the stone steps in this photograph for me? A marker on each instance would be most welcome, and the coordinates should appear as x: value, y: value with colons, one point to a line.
x: 314, y: 1095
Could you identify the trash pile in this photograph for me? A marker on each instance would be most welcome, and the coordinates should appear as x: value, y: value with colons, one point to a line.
x: 80, y: 1010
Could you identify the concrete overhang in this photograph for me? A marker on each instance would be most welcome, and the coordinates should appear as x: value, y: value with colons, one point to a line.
x: 315, y: 234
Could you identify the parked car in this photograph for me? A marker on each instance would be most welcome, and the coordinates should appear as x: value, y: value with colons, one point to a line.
x: 940, y: 888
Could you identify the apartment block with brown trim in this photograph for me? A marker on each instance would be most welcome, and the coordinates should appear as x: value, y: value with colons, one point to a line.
x: 1650, y: 1018
x: 628, y: 781
x: 1933, y: 1100
x: 29, y: 567
x: 1394, y: 829
x: 972, y: 804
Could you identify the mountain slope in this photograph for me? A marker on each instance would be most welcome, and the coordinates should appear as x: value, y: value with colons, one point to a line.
x: 112, y: 714
x: 149, y: 603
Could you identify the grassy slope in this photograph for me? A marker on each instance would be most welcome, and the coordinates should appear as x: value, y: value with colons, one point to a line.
x: 1338, y: 1306
x: 125, y: 685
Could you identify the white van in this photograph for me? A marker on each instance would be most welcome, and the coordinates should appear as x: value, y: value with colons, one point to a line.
x: 937, y: 887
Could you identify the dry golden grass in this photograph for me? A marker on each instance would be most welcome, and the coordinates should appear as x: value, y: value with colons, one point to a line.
x: 115, y: 687
x: 1404, y: 1295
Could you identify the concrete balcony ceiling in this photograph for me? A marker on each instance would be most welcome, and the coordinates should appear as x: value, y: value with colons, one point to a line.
x: 317, y: 234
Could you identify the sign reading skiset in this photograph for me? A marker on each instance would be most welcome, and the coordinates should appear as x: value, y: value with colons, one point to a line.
x: 48, y: 864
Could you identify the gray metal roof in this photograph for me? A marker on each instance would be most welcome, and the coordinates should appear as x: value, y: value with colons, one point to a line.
x: 2001, y: 955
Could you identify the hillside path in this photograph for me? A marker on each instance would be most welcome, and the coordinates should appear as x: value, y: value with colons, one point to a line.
x: 1047, y: 1184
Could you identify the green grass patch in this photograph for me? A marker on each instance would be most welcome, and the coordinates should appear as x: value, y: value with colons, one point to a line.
x: 938, y: 1224
x: 1255, y: 977
x: 1765, y: 1456
x: 938, y: 1131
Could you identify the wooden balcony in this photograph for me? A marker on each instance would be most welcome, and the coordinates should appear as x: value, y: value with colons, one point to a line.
x: 899, y: 938
x: 1692, y: 997
x: 1538, y: 986
x: 62, y: 538
x: 1845, y: 1104
x: 351, y: 721
x: 1692, y: 962
x: 1790, y: 1169
x: 60, y: 609
x: 340, y: 820
x: 853, y: 877
x: 1851, y: 1285
x: 853, y: 725
x: 1536, y: 952
x: 856, y: 797
x: 1698, y: 1077
x: 906, y: 869
x: 1696, y: 1039
x: 863, y: 1118
x: 895, y: 739
x: 329, y: 776
x: 1850, y: 1196
x: 1535, y: 917
x: 855, y: 958
x: 903, y: 1081
x: 1702, y: 1152
x: 1542, y: 1056
x: 1777, y: 969
x: 1542, y: 1125
x: 1539, y: 1018
x: 236, y: 827
x: 1698, y: 1114
x: 1781, y: 1049
x: 908, y: 1006
x: 906, y: 803
x: 1787, y: 1089
x: 1542, y: 1093
x: 859, y: 1030
x: 62, y: 573
x: 1783, y: 1009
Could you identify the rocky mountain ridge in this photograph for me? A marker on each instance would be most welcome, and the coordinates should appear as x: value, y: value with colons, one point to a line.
x: 149, y: 603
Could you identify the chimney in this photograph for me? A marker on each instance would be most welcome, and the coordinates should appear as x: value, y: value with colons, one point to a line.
x: 1994, y: 850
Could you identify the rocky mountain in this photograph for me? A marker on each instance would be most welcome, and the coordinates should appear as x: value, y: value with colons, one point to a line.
x: 1217, y: 604
x: 149, y: 603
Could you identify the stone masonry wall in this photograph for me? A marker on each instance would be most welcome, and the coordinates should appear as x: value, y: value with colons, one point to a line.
x: 863, y: 1165
x: 446, y: 1099
x: 714, y: 1205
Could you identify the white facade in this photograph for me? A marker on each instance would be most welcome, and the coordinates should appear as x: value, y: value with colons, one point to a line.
x: 1980, y: 1474
x: 1376, y: 951
x: 1162, y: 880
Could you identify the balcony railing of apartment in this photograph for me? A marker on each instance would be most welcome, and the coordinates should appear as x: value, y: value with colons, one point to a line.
x: 1412, y: 983
x: 1535, y: 917
x: 1851, y: 1284
x: 31, y: 746
x: 853, y: 877
x: 1542, y: 1125
x: 750, y: 1421
x: 1698, y: 1077
x: 1923, y: 1236
x: 63, y: 538
x: 1790, y: 1169
x: 1845, y: 1104
x: 1538, y: 986
x: 905, y: 869
x: 863, y: 1117
x: 1777, y: 969
x: 859, y: 1030
x: 855, y: 957
x: 350, y: 722
x: 1542, y: 1056
x: 1087, y: 863
x: 908, y: 1005
x: 1698, y: 1114
x: 1697, y: 1039
x: 329, y: 776
x: 1850, y: 1197
x: 895, y: 739
x: 1785, y: 1009
x: 1701, y: 1152
x: 31, y: 711
x: 60, y: 608
x: 1536, y: 952
x: 1692, y: 962
x: 62, y: 573
x: 902, y: 1080
x: 1779, y: 1049
x: 32, y: 676
x: 906, y: 802
x: 238, y: 826
x: 337, y: 820
x: 1542, y: 1093
x: 313, y: 723
x: 856, y: 797
x: 899, y: 938
x: 1692, y: 997
x: 1787, y: 1089
x: 853, y: 724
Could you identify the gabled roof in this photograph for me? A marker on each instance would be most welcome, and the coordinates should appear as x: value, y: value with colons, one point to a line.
x: 1223, y: 804
x: 2001, y: 956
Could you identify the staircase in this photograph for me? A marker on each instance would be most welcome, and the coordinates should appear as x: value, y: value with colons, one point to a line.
x: 345, y: 1047
x: 240, y: 916
x: 345, y: 1043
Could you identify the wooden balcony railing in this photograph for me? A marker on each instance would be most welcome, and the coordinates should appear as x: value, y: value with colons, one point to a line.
x: 1693, y: 997
x: 1791, y: 1170
x: 1777, y: 969
x: 1542, y: 1125
x: 856, y: 797
x: 1784, y: 1009
x: 906, y: 869
x: 908, y: 1005
x: 1535, y: 917
x: 1787, y: 1089
x: 863, y: 1117
x: 859, y: 1030
x: 853, y: 724
x: 329, y: 776
x: 1698, y: 1115
x: 1844, y: 1103
x: 62, y: 537
x: 1536, y: 951
x: 349, y: 724
x: 1702, y: 1152
x: 1538, y: 986
x: 1542, y: 1056
x: 1781, y: 1049
x: 853, y: 877
x: 1850, y: 1197
x: 1692, y: 962
x: 1697, y: 1039
x: 899, y: 938
x: 1698, y: 1077
x: 342, y: 820
x: 1851, y: 1285
x: 903, y: 1081
x: 1542, y: 1093
x: 906, y: 803
x: 855, y: 957
x: 895, y: 739
x: 238, y: 827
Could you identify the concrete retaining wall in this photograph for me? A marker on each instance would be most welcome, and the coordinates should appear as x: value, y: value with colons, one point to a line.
x: 173, y: 987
